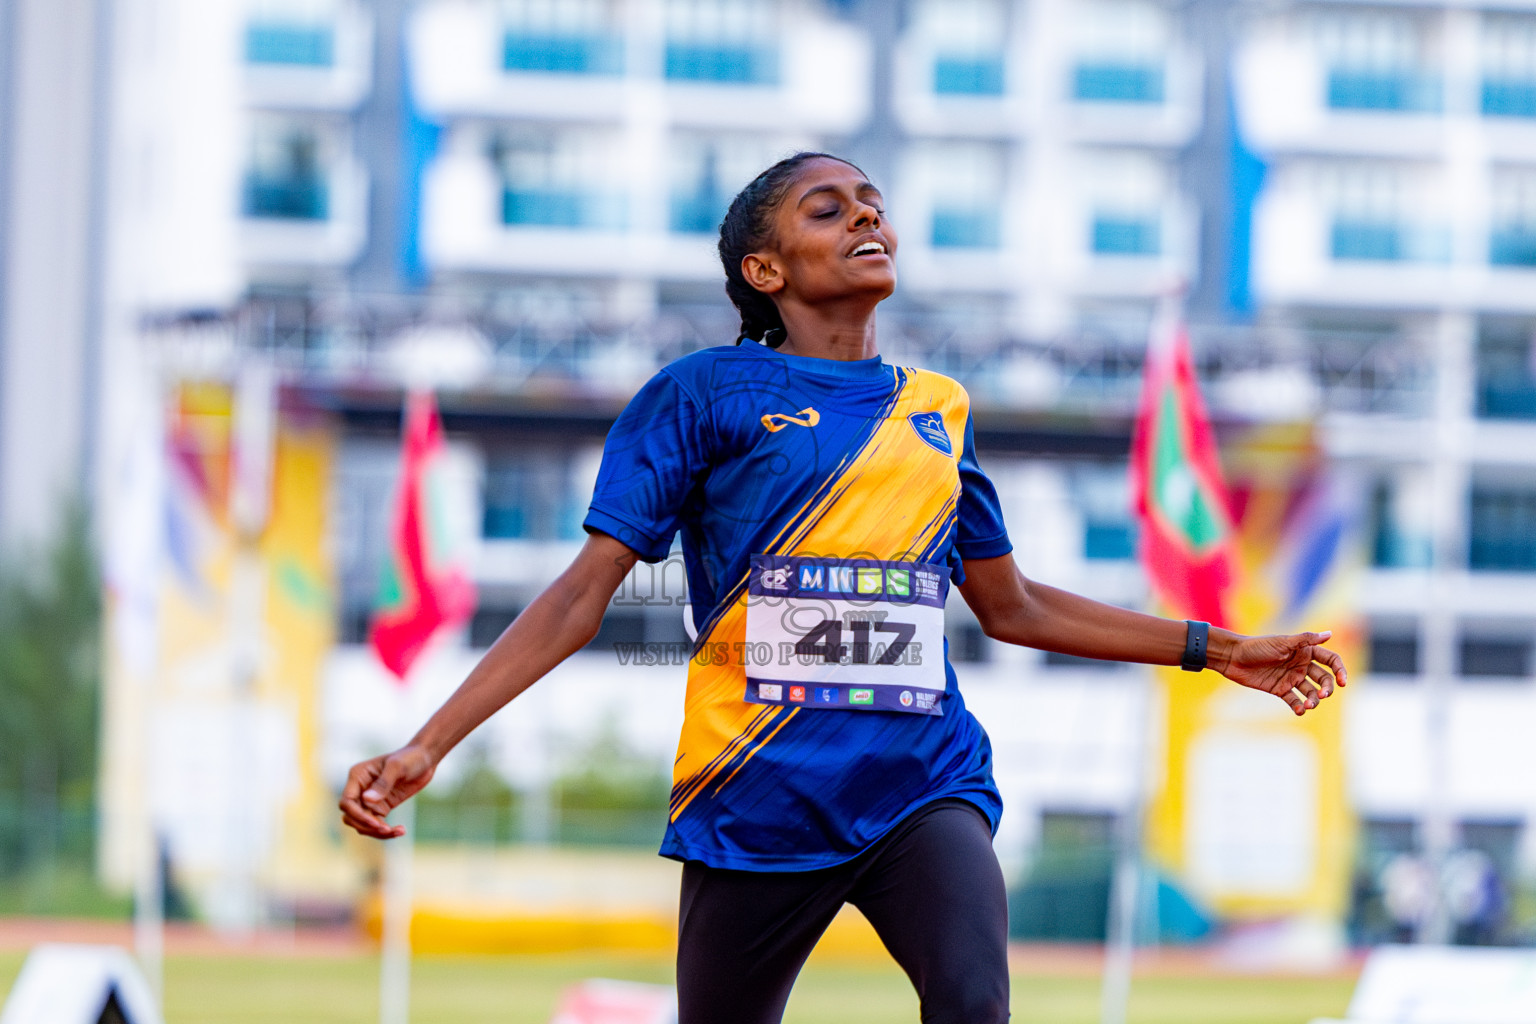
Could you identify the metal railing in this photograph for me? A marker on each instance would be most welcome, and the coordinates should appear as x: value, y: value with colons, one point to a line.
x: 349, y: 340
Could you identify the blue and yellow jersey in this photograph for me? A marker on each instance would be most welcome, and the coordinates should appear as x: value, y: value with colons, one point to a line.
x: 788, y: 473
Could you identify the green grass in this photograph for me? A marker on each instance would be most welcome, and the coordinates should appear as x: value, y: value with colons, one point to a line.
x: 61, y: 890
x: 239, y: 989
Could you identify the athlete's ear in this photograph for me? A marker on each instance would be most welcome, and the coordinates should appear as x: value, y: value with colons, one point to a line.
x: 761, y: 270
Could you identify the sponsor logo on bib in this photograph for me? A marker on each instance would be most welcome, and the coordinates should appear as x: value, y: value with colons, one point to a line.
x: 861, y: 696
x: 906, y: 698
x: 770, y: 691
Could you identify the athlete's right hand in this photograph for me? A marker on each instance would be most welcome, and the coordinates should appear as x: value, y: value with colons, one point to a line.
x: 379, y: 785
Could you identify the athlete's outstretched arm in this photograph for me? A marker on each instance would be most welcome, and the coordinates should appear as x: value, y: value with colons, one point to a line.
x: 1017, y: 610
x: 559, y: 622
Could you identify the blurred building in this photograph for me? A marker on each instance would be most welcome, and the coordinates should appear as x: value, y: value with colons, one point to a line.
x: 52, y: 193
x: 515, y: 201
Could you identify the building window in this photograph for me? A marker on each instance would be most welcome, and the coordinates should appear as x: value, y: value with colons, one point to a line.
x: 1370, y: 220
x: 964, y: 229
x: 1400, y: 511
x: 302, y: 45
x: 560, y: 179
x: 968, y: 76
x: 1512, y: 236
x: 530, y: 495
x: 731, y: 42
x: 1394, y: 652
x: 1117, y: 83
x: 707, y: 170
x: 964, y: 183
x: 1506, y: 370
x: 1101, y: 494
x: 1493, y: 656
x: 1509, y: 65
x: 1503, y: 530
x: 1125, y: 195
x: 562, y: 36
x: 299, y: 33
x: 1121, y: 49
x: 967, y: 643
x: 1377, y: 60
x: 966, y: 39
x: 287, y: 178
x: 1115, y: 235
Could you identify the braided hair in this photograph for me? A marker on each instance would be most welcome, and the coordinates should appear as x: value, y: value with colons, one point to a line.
x: 748, y: 226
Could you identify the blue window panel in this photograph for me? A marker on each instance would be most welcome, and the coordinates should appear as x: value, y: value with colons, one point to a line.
x: 1127, y: 236
x: 302, y: 45
x: 1512, y: 247
x: 1353, y: 240
x: 557, y: 208
x: 1509, y: 98
x: 1102, y: 541
x: 734, y: 65
x: 286, y: 198
x: 1507, y: 399
x: 1388, y: 241
x: 504, y: 522
x: 964, y: 229
x: 1383, y: 90
x: 577, y: 55
x: 968, y: 76
x: 1394, y: 549
x: 697, y: 214
x: 1503, y: 531
x: 1117, y: 83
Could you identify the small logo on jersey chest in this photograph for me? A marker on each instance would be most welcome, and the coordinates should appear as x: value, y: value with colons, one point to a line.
x: 930, y: 427
x: 777, y: 421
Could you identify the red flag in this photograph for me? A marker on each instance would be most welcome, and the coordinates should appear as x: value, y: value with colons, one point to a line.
x: 422, y: 588
x: 1181, y: 501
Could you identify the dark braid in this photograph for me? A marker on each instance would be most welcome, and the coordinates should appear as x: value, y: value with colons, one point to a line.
x: 748, y: 226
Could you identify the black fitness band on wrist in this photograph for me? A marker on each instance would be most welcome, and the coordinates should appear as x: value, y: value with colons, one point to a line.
x: 1194, y: 645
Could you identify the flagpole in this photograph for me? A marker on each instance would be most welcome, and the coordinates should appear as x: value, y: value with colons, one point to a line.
x: 395, y: 960
x: 426, y: 587
x: 1125, y: 883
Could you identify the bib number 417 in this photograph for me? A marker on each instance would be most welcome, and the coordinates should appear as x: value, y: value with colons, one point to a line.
x: 825, y: 641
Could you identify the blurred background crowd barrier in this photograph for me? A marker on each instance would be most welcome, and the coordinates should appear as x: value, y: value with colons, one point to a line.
x: 233, y: 234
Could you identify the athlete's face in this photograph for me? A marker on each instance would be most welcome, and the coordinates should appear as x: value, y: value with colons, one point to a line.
x: 831, y: 239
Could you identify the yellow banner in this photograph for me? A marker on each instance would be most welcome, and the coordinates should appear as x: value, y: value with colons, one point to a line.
x: 1252, y: 812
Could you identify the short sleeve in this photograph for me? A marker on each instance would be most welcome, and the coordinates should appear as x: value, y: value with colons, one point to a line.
x: 653, y: 457
x: 980, y: 531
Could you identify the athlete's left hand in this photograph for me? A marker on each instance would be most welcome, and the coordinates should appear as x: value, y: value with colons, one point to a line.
x: 1297, y: 668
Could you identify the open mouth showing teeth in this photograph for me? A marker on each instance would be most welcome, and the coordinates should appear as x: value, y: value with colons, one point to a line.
x: 869, y: 249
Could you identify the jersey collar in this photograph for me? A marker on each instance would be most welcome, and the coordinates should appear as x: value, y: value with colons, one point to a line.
x: 854, y: 368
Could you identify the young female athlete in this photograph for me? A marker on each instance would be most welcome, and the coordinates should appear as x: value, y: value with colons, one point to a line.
x: 826, y: 500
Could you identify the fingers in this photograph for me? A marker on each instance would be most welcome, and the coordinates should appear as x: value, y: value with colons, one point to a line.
x: 1333, y: 663
x: 362, y: 815
x: 371, y: 827
x: 1321, y: 680
x: 380, y: 797
x: 1296, y: 700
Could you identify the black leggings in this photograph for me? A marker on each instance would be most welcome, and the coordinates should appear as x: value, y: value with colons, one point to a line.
x: 931, y: 887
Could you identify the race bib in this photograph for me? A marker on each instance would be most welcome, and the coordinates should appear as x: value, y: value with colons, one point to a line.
x: 847, y: 634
